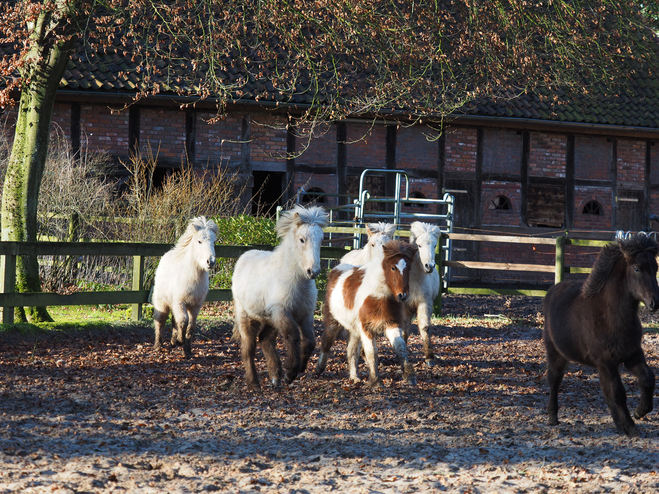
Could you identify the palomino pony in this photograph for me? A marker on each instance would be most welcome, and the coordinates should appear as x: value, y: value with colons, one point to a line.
x: 378, y: 234
x: 367, y: 301
x: 597, y: 324
x: 181, y: 282
x: 275, y: 292
x: 424, y: 281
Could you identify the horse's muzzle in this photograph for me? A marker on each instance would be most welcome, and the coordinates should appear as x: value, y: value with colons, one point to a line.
x: 210, y: 262
x: 402, y: 297
x: 429, y: 267
x: 311, y: 274
x: 653, y: 305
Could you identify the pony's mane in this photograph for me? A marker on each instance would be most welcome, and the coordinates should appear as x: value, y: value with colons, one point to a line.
x: 610, y: 255
x: 298, y: 215
x: 418, y: 228
x: 194, y: 225
x: 382, y: 227
x: 398, y: 247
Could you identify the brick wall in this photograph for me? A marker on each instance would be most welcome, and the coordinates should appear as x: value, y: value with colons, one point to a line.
x: 502, y: 151
x: 427, y: 188
x: 547, y: 155
x: 592, y: 157
x: 325, y: 182
x: 317, y: 146
x: 103, y: 129
x: 631, y: 164
x: 218, y: 141
x: 62, y: 120
x: 417, y: 148
x: 460, y: 149
x: 163, y: 131
x: 367, y: 146
x: 498, y: 217
x: 268, y: 143
x: 583, y: 195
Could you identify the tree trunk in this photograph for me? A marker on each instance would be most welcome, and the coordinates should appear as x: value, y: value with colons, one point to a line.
x: 45, y: 66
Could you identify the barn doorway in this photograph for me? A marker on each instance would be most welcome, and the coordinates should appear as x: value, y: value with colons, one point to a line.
x: 267, y: 192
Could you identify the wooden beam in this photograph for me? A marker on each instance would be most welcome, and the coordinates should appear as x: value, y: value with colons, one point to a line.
x: 500, y: 266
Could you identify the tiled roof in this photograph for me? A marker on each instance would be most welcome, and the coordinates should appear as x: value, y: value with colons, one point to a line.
x: 635, y: 106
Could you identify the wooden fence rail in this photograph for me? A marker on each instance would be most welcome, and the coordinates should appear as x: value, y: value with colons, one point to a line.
x: 138, y: 296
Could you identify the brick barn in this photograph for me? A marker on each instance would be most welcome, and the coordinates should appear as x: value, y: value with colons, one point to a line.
x: 534, y: 165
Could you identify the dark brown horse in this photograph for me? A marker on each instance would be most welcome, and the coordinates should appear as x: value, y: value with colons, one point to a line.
x: 597, y: 324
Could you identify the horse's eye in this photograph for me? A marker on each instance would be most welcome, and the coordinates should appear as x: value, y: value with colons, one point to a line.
x: 393, y: 268
x: 301, y: 240
x: 636, y: 269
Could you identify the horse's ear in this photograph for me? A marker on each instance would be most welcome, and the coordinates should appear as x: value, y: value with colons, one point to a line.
x: 369, y: 232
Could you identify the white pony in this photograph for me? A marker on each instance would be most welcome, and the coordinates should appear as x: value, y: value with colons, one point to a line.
x: 181, y: 282
x: 424, y: 281
x: 275, y: 292
x: 378, y: 235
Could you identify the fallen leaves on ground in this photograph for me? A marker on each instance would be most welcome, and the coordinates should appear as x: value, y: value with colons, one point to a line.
x: 99, y: 411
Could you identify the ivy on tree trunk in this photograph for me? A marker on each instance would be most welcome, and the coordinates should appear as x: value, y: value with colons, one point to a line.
x: 46, y: 62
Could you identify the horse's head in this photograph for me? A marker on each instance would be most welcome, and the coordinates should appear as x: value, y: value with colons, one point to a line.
x: 202, y: 242
x: 640, y: 254
x: 425, y: 236
x: 396, y: 264
x: 304, y: 229
x: 378, y: 235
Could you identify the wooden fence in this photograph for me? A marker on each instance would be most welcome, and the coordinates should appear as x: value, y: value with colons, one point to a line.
x: 137, y: 296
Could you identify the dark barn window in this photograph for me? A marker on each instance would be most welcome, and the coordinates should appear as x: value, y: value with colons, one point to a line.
x: 501, y: 203
x: 314, y: 194
x: 592, y: 207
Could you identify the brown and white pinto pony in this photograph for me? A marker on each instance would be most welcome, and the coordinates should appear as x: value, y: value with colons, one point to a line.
x: 368, y: 301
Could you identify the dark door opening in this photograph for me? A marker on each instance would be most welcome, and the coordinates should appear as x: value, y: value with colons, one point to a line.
x: 267, y: 192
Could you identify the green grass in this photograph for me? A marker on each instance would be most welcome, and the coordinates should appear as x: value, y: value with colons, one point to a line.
x: 68, y: 318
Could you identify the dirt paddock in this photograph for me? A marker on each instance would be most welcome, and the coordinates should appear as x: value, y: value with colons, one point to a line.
x: 84, y: 412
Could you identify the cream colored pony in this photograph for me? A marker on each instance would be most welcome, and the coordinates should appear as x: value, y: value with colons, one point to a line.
x: 274, y: 292
x: 181, y: 282
x: 378, y: 235
x: 424, y: 281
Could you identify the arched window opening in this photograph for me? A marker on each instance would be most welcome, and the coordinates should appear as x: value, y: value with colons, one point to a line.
x: 592, y: 207
x: 416, y: 195
x: 314, y: 194
x: 501, y: 203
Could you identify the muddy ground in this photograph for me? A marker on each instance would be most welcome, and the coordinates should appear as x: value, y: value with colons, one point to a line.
x: 100, y: 412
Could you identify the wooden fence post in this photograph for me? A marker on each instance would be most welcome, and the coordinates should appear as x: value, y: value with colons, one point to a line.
x: 138, y: 284
x: 560, y: 259
x: 8, y: 266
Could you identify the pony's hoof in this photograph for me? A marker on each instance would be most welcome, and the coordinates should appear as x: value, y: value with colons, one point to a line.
x: 430, y: 362
x: 641, y: 412
x: 290, y: 377
x: 355, y: 379
x: 630, y: 431
x: 275, y: 382
x: 411, y: 381
x: 255, y: 387
x: 376, y: 385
